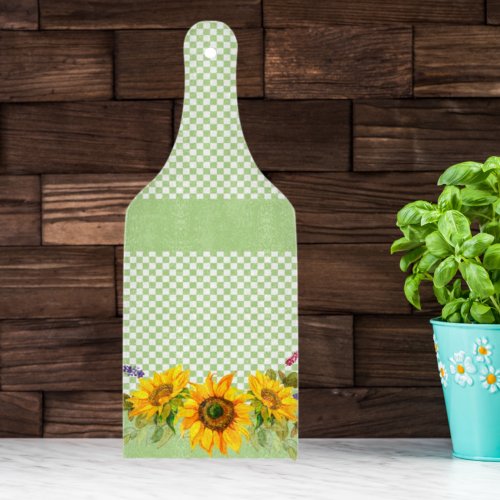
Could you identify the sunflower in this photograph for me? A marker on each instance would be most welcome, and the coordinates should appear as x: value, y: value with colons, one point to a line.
x: 215, y: 414
x: 155, y: 392
x: 277, y: 398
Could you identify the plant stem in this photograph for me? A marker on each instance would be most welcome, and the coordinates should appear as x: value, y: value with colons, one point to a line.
x: 495, y: 303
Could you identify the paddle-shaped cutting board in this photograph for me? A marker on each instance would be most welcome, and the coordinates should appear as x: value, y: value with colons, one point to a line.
x: 210, y: 285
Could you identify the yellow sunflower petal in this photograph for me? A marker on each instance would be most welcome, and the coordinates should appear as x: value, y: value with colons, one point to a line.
x: 190, y: 404
x: 223, y: 386
x: 255, y: 385
x: 140, y: 394
x: 232, y: 438
x: 207, y: 440
x: 209, y: 383
x: 242, y: 430
x: 146, y: 384
x: 189, y: 421
x: 195, y: 433
x: 189, y: 412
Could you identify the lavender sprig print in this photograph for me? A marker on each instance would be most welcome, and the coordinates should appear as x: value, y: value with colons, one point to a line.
x: 133, y: 371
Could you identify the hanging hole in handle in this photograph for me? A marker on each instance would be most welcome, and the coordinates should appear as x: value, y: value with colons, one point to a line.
x: 210, y: 53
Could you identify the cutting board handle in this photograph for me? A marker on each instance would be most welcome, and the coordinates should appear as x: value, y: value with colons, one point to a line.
x: 210, y: 158
x: 210, y: 114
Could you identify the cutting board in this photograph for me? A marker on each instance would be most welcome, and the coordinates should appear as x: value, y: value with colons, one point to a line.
x: 210, y: 285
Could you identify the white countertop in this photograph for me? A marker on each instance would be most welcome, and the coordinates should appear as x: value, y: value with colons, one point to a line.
x: 73, y: 469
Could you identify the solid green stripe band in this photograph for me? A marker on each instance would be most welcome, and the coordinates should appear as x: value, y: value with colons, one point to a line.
x: 211, y: 225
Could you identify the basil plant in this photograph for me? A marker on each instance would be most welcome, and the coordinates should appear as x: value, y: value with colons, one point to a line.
x: 455, y: 244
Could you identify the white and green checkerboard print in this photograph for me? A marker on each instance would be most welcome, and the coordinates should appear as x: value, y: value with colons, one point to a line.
x: 218, y: 302
x: 210, y: 266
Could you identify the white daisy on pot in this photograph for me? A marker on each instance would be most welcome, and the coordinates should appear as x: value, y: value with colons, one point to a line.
x: 490, y: 378
x: 436, y: 345
x: 443, y: 374
x: 462, y: 366
x: 482, y: 350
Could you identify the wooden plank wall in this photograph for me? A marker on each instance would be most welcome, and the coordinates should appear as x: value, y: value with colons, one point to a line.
x: 350, y: 108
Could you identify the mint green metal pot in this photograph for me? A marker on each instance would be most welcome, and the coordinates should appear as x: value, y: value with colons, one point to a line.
x: 468, y: 358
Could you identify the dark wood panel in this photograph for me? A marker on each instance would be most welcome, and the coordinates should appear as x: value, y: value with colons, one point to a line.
x: 295, y: 135
x: 331, y: 208
x: 338, y: 62
x: 56, y: 282
x: 373, y: 412
x: 119, y: 279
x: 287, y: 13
x: 457, y: 62
x: 351, y: 279
x: 493, y: 10
x: 149, y: 64
x: 88, y: 209
x: 82, y: 414
x: 394, y: 351
x: 140, y: 14
x: 348, y: 207
x: 424, y: 134
x: 326, y: 351
x: 93, y: 137
x: 61, y: 355
x: 20, y: 414
x: 18, y: 14
x: 19, y: 210
x: 55, y: 66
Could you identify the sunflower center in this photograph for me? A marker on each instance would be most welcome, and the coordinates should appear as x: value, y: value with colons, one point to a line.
x: 270, y: 398
x: 460, y: 369
x: 482, y: 350
x: 216, y: 413
x: 491, y: 379
x: 162, y: 391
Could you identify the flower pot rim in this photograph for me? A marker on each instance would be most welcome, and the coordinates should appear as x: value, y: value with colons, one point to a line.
x: 482, y: 326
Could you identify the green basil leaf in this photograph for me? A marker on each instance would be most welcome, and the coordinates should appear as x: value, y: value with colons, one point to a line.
x: 492, y: 163
x: 496, y: 206
x: 451, y: 308
x: 430, y: 217
x: 477, y: 278
x: 455, y: 318
x: 476, y: 197
x: 465, y: 311
x: 482, y: 313
x: 442, y: 295
x: 491, y: 259
x: 454, y: 226
x: 476, y: 245
x: 403, y: 244
x: 449, y: 199
x: 411, y: 289
x: 445, y: 272
x: 492, y: 228
x: 481, y: 214
x: 468, y: 172
x: 437, y: 245
x: 410, y: 257
x: 412, y: 212
x: 428, y: 263
x: 456, y: 290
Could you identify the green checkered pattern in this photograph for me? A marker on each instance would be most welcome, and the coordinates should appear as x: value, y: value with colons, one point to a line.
x: 218, y: 312
x: 210, y: 129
